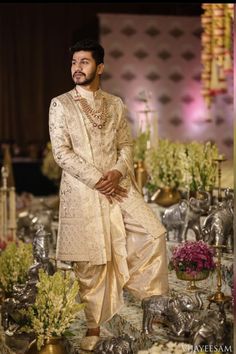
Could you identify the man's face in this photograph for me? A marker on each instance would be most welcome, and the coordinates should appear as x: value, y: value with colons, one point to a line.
x: 84, y: 69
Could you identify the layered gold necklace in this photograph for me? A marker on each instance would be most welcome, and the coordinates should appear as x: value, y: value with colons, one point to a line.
x: 97, y: 118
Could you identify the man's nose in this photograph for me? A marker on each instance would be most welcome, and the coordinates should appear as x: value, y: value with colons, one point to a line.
x: 79, y: 67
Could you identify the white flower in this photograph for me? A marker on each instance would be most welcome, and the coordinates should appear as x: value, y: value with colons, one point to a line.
x: 52, y: 313
x: 178, y: 165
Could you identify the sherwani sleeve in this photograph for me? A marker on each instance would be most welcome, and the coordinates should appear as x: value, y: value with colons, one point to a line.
x: 124, y: 142
x: 62, y: 149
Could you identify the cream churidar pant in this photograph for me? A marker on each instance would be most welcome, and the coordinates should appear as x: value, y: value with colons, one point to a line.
x: 101, y: 286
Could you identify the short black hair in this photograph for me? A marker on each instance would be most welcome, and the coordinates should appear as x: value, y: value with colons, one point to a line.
x: 90, y: 45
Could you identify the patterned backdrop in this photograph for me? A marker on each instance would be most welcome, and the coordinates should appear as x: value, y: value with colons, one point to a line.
x: 153, y: 64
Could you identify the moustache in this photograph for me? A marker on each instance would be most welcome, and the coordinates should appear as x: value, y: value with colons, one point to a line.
x: 78, y: 73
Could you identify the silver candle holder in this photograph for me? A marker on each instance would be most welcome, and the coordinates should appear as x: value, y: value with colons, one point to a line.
x: 7, y: 209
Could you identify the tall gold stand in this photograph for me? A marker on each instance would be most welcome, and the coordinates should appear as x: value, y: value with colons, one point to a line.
x: 141, y: 175
x: 219, y: 297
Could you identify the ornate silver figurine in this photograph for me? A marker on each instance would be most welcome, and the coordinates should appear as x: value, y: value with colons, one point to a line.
x: 122, y: 344
x: 186, y: 215
x: 217, y: 228
x: 185, y: 319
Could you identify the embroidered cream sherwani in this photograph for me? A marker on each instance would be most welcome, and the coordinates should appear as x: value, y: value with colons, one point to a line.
x: 85, y: 152
x: 113, y: 245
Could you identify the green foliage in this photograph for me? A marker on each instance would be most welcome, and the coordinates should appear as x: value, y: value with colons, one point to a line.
x: 15, y: 261
x: 55, y: 307
x: 164, y: 164
x: 188, y: 165
x: 140, y: 145
x: 201, y: 167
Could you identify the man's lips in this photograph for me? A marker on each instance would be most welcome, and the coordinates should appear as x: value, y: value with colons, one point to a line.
x: 78, y: 74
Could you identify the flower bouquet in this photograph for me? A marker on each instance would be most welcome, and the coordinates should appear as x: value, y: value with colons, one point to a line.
x: 140, y: 145
x: 54, y: 310
x: 190, y: 165
x: 15, y: 261
x: 192, y: 260
x: 201, y: 168
x: 164, y: 164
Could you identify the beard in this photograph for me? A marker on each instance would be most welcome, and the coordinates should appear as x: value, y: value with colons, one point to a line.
x: 84, y: 79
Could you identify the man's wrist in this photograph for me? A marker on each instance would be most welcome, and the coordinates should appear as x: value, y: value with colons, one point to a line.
x: 118, y: 172
x: 121, y: 167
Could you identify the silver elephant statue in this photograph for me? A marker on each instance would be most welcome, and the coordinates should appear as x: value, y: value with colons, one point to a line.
x: 217, y: 228
x: 185, y: 319
x: 122, y: 344
x: 186, y: 215
x: 210, y: 329
x: 173, y: 311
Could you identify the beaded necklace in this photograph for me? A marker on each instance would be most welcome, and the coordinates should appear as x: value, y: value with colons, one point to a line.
x: 100, y: 115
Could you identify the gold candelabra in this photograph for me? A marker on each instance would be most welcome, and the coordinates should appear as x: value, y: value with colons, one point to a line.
x: 219, y: 297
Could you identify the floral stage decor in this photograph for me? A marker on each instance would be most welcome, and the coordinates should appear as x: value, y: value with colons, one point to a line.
x: 201, y: 168
x: 192, y: 257
x: 164, y: 164
x: 54, y: 310
x: 192, y: 260
x: 15, y: 261
x: 217, y: 48
x: 178, y: 165
x: 141, y: 145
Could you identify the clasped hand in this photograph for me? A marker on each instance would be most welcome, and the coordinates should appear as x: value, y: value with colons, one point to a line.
x: 109, y: 186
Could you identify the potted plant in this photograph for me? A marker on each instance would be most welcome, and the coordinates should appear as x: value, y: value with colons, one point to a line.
x: 164, y: 164
x: 192, y: 260
x: 54, y: 310
x: 141, y: 145
x: 201, y: 167
x: 15, y: 261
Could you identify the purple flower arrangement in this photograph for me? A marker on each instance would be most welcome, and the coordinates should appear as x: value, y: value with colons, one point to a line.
x: 192, y: 257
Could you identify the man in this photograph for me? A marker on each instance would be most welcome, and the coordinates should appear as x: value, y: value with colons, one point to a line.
x: 105, y: 227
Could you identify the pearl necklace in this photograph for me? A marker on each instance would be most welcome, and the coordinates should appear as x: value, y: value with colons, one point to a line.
x: 100, y: 114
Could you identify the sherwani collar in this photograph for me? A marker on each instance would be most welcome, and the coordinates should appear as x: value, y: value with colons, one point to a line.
x: 90, y: 95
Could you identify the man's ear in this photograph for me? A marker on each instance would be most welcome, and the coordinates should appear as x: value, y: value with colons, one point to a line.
x: 100, y: 68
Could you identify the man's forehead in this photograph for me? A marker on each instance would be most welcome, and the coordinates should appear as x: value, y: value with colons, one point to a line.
x: 82, y: 54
